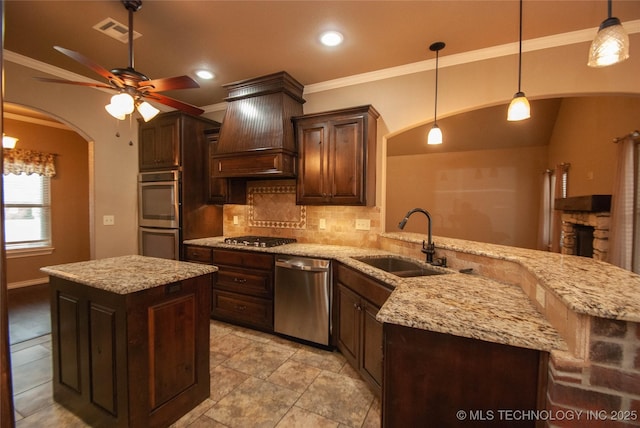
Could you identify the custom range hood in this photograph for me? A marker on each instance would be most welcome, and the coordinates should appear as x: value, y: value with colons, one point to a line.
x: 257, y: 137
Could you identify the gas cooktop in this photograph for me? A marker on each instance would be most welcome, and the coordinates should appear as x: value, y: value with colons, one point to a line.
x: 259, y: 241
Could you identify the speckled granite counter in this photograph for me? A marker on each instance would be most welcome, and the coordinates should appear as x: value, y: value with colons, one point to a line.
x: 128, y: 274
x: 455, y: 303
x: 586, y: 286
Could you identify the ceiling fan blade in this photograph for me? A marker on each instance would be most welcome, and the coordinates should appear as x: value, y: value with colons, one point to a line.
x: 69, y: 82
x: 87, y: 62
x: 169, y: 83
x: 187, y: 108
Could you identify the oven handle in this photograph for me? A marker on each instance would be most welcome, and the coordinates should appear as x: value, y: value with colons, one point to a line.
x: 286, y: 264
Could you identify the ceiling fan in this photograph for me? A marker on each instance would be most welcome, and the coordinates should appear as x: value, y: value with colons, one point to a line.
x: 132, y: 86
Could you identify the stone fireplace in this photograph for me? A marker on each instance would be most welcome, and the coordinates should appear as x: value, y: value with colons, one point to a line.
x: 585, y: 225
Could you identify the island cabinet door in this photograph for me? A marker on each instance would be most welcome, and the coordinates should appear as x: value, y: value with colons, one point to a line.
x: 168, y: 335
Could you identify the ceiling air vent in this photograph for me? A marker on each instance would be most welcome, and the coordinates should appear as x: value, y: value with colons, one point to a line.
x: 113, y: 28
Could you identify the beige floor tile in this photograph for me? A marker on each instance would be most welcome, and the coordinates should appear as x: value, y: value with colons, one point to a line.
x: 224, y: 380
x: 52, y: 416
x: 325, y: 360
x: 31, y: 374
x: 373, y: 418
x: 297, y: 418
x: 34, y: 399
x: 294, y: 375
x: 190, y: 418
x: 338, y: 398
x: 259, y: 359
x: 255, y: 403
x: 28, y: 355
x: 229, y: 344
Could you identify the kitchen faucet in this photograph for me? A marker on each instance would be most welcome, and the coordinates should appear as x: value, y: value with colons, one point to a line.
x: 427, y: 247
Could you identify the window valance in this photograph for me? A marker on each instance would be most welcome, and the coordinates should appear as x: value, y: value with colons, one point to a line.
x: 18, y: 161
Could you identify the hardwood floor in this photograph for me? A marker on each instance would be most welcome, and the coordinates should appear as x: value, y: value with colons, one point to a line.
x: 257, y: 380
x: 29, y: 315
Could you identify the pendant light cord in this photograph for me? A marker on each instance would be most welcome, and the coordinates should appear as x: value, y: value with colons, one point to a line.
x: 435, y: 109
x: 520, y: 51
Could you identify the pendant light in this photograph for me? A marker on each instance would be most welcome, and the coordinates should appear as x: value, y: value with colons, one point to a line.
x: 611, y: 44
x: 435, y: 134
x: 8, y: 142
x: 519, y: 108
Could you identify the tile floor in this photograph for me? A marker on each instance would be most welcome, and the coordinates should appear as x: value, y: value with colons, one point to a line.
x: 257, y: 380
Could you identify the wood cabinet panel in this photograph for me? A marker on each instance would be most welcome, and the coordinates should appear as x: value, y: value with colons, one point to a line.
x: 139, y: 360
x: 194, y: 253
x: 337, y: 157
x: 429, y: 376
x: 102, y: 324
x: 172, y: 358
x: 243, y: 292
x: 246, y: 310
x: 67, y: 318
x: 159, y: 143
x: 348, y: 331
x: 357, y: 300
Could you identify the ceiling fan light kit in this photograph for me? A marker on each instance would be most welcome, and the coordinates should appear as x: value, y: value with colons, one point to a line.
x: 132, y: 86
x: 611, y: 44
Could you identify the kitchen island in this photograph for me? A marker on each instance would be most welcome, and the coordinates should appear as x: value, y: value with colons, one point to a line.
x: 130, y: 338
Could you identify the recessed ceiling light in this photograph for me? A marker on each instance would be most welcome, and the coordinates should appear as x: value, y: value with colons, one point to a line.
x: 331, y: 38
x: 205, y: 74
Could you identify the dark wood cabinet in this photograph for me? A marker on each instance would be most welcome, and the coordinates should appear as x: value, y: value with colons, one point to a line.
x: 431, y: 376
x: 178, y: 141
x: 222, y: 190
x: 131, y: 360
x: 243, y: 291
x: 357, y: 333
x: 337, y: 157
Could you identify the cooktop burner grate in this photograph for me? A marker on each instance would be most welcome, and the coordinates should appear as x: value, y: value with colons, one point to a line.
x: 259, y: 241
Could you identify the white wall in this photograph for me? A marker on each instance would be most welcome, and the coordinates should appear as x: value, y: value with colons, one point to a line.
x: 403, y: 102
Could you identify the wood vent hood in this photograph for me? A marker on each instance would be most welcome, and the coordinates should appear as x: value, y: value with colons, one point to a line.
x: 257, y: 136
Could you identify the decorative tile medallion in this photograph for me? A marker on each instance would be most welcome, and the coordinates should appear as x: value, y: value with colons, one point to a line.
x: 275, y: 206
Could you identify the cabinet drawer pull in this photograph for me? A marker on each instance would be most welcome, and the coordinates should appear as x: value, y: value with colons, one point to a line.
x: 241, y: 307
x: 239, y: 280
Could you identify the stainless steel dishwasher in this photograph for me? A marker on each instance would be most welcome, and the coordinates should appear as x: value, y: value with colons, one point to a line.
x: 302, y: 298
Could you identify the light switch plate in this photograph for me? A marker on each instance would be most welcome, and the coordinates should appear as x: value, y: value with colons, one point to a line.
x: 322, y: 224
x: 235, y: 220
x: 363, y: 224
x: 108, y: 220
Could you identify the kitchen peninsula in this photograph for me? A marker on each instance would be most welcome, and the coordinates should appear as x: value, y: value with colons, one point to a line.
x: 130, y: 338
x: 579, y: 315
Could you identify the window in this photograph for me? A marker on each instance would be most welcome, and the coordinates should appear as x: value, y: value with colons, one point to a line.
x: 27, y: 211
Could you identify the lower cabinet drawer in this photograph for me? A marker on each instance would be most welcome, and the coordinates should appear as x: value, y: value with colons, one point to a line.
x: 247, y: 310
x: 253, y: 282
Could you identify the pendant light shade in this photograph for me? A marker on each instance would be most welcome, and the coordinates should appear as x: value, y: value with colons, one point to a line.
x: 611, y: 44
x: 519, y: 108
x: 147, y: 111
x: 123, y: 104
x: 435, y: 134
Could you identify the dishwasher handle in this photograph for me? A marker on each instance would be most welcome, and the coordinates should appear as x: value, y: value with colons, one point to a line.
x: 301, y: 265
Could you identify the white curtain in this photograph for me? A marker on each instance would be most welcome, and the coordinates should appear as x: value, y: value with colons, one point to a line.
x: 621, y: 233
x: 546, y: 208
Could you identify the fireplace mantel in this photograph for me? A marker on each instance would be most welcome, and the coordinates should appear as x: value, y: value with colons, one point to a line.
x: 588, y: 203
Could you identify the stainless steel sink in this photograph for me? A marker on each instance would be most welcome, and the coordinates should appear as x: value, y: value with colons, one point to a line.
x: 400, y: 266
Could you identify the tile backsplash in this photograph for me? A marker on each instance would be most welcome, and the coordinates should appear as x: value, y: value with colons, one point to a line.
x: 271, y: 210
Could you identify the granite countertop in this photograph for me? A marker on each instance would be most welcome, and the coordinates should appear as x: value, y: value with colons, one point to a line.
x: 453, y: 303
x: 585, y: 285
x: 128, y: 274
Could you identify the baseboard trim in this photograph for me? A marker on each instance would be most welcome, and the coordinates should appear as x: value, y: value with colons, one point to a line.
x: 27, y: 283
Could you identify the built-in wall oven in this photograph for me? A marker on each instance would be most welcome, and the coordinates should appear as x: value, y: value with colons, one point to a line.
x: 159, y: 214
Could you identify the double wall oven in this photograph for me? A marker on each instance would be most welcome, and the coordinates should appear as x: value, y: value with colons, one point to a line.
x: 159, y: 214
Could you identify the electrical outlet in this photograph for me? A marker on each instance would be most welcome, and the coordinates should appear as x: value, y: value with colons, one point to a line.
x: 322, y: 224
x: 235, y: 220
x: 363, y: 224
x: 108, y: 220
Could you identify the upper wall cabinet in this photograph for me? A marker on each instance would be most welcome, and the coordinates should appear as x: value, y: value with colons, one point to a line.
x: 337, y: 157
x: 159, y: 143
